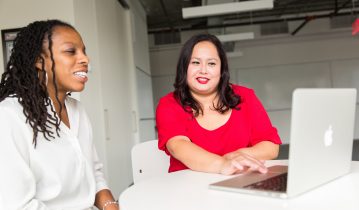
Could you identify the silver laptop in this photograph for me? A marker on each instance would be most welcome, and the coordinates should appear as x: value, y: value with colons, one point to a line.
x: 321, y: 141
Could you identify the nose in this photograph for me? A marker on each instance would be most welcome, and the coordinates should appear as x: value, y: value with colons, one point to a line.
x: 84, y: 59
x: 203, y: 69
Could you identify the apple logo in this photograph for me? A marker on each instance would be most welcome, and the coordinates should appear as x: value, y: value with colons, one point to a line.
x: 328, y: 136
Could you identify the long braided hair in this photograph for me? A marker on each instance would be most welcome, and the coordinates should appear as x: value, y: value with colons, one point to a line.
x: 24, y: 81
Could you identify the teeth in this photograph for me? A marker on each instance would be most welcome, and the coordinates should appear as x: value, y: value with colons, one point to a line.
x: 202, y: 79
x: 81, y: 74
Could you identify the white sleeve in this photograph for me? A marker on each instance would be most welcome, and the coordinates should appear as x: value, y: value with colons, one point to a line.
x: 96, y: 163
x: 99, y: 176
x: 17, y: 183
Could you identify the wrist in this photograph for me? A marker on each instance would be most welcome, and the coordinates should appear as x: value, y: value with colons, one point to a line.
x: 220, y: 165
x: 110, y: 204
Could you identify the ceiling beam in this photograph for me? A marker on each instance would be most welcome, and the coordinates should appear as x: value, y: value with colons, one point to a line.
x: 255, y: 22
x: 226, y: 8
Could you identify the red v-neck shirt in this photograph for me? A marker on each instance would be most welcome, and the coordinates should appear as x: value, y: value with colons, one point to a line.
x: 244, y: 128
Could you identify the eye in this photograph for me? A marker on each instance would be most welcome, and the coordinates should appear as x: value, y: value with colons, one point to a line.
x: 70, y: 51
x: 195, y: 62
x: 212, y: 64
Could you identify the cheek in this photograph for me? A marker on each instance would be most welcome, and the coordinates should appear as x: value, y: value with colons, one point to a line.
x: 188, y: 78
x: 191, y: 71
x: 217, y: 72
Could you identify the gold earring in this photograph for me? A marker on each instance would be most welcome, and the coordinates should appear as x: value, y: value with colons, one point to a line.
x: 46, y: 77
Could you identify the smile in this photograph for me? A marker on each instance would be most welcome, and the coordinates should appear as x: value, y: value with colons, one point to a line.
x: 81, y: 74
x: 202, y: 80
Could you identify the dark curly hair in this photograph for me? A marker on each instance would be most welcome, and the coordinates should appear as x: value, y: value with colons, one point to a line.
x: 24, y: 81
x: 227, y: 98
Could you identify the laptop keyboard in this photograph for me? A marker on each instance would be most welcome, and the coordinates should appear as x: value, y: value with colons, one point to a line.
x: 276, y: 183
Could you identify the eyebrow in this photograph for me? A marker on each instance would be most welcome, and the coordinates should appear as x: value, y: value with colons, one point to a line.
x: 206, y: 59
x: 71, y: 43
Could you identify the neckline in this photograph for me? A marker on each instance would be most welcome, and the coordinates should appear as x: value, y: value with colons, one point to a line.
x: 216, y: 129
x: 62, y: 124
x: 68, y: 115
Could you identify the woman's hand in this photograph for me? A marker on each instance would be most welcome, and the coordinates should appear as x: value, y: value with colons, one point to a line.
x: 238, y: 162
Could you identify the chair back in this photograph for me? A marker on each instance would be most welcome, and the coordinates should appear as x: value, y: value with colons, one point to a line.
x: 148, y: 161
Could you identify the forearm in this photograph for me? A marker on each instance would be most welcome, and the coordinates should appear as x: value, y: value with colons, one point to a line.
x: 193, y: 156
x: 104, y: 196
x: 264, y: 150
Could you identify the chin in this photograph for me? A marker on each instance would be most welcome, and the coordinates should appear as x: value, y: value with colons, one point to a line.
x: 78, y: 89
x: 204, y: 92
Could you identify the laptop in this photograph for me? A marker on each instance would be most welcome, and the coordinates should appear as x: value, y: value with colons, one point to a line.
x: 321, y: 141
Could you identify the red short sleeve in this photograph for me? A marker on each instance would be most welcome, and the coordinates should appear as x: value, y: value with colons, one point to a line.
x: 261, y: 126
x: 170, y: 120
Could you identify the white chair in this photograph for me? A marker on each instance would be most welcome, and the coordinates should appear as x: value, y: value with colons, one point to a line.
x: 148, y: 161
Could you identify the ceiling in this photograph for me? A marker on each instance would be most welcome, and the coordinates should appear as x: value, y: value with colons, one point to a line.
x: 166, y: 15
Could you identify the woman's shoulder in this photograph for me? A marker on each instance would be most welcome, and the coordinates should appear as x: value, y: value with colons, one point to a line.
x: 168, y: 99
x: 170, y: 103
x: 241, y: 90
x: 11, y: 110
x: 11, y: 103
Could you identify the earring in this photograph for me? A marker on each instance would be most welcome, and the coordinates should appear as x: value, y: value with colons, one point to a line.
x: 46, y: 79
x: 41, y: 76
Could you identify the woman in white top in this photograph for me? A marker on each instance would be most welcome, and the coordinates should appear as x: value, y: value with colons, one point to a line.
x: 47, y: 155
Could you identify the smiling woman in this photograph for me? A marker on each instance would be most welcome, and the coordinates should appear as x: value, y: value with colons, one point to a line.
x: 47, y: 152
x: 208, y: 124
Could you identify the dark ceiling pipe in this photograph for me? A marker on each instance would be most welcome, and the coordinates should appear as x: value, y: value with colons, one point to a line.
x: 337, y: 9
x: 124, y: 4
x: 166, y: 30
x: 309, y: 18
x: 166, y: 14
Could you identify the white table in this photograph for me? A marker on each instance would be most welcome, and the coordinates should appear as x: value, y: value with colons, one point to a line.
x: 188, y: 190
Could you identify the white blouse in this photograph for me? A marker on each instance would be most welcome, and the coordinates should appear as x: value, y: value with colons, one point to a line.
x: 61, y: 174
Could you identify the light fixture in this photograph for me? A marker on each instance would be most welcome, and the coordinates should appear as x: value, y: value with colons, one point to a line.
x: 235, y: 37
x: 226, y: 8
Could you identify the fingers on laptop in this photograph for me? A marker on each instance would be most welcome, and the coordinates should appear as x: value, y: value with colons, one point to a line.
x: 249, y: 164
x: 242, y: 163
x: 228, y: 168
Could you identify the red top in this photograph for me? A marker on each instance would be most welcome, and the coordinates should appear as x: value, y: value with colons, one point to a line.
x: 244, y: 128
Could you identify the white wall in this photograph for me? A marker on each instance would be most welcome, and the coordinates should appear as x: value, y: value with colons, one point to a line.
x: 144, y: 113
x: 110, y: 96
x: 274, y: 66
x: 19, y: 13
x: 117, y: 69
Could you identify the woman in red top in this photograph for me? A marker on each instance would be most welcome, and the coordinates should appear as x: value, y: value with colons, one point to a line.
x: 208, y: 124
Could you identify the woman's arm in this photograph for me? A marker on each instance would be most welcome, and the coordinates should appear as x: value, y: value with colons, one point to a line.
x: 104, y: 197
x: 17, y: 181
x: 198, y: 159
x: 264, y: 150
